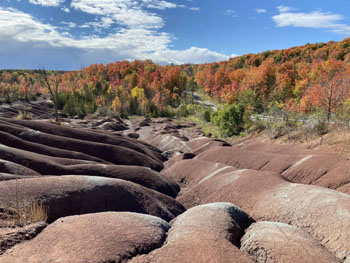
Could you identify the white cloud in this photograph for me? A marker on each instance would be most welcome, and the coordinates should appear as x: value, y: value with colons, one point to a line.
x: 125, y: 12
x: 231, y: 13
x: 194, y: 8
x: 46, y: 2
x: 191, y: 55
x: 284, y: 9
x: 260, y: 11
x: 65, y: 9
x: 104, y: 23
x: 159, y: 4
x: 21, y: 31
x: 69, y: 24
x: 316, y: 19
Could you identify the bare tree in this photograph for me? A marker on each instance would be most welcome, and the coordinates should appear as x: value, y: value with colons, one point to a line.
x: 51, y: 81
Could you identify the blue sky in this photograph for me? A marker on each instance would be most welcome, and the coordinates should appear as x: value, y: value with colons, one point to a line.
x: 70, y: 34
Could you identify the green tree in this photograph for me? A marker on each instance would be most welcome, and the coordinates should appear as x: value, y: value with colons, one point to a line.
x: 230, y: 120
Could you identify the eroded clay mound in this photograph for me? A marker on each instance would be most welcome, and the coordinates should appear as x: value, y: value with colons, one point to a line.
x: 244, y: 159
x: 207, y: 233
x: 10, y: 236
x: 201, y: 144
x: 70, y: 195
x: 100, y: 237
x: 15, y: 169
x: 37, y: 109
x: 338, y: 178
x: 137, y: 174
x: 319, y: 169
x: 267, y: 147
x: 177, y: 158
x: 81, y: 140
x: 193, y: 171
x: 312, y: 168
x: 167, y: 142
x: 44, y: 165
x: 321, y: 212
x: 272, y: 242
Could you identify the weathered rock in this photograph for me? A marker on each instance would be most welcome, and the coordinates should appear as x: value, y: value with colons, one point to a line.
x: 272, y: 242
x: 193, y: 171
x: 133, y: 135
x: 167, y: 142
x: 15, y: 142
x: 110, y: 153
x: 202, y: 144
x: 72, y: 195
x: 136, y: 174
x: 100, y: 237
x: 311, y: 168
x: 12, y: 236
x: 177, y: 158
x: 207, y: 233
x: 338, y: 178
x: 243, y: 159
x: 15, y: 169
x: 79, y: 134
x: 113, y: 126
x: 321, y: 212
x: 7, y: 177
x: 275, y: 148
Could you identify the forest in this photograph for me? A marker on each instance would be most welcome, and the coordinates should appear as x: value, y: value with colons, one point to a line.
x: 303, y: 80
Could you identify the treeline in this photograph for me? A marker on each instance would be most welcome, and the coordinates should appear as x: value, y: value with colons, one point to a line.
x: 309, y: 78
x: 139, y: 87
x: 300, y: 79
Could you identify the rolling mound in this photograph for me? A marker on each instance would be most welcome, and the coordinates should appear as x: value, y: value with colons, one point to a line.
x: 152, y: 190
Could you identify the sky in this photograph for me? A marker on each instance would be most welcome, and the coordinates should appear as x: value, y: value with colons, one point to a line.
x: 71, y: 34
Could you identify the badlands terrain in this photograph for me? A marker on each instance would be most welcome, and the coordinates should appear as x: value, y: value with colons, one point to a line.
x: 153, y: 190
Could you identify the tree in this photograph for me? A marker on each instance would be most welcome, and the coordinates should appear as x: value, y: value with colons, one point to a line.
x: 50, y: 80
x: 230, y: 120
x: 330, y: 85
x: 191, y: 86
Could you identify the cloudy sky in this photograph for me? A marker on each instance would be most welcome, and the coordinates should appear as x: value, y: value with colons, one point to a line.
x: 70, y: 34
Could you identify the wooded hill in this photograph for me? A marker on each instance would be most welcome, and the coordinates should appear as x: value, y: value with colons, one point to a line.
x: 301, y: 79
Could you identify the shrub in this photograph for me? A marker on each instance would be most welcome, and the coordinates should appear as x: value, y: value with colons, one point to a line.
x: 24, y: 115
x: 78, y: 105
x: 206, y: 115
x: 258, y: 126
x: 321, y: 127
x: 151, y: 110
x: 230, y: 119
x: 182, y: 111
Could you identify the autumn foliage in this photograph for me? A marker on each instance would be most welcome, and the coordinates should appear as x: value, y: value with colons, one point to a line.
x: 305, y: 78
x: 313, y: 77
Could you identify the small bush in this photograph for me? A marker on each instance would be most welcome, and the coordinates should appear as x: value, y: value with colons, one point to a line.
x: 276, y: 129
x: 230, y: 120
x: 104, y: 111
x: 150, y: 110
x: 25, y: 212
x: 206, y: 115
x: 182, y: 111
x: 37, y: 212
x: 24, y: 115
x: 321, y: 127
x: 258, y: 126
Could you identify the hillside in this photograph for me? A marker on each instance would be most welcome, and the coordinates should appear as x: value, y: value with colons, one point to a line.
x: 309, y: 78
